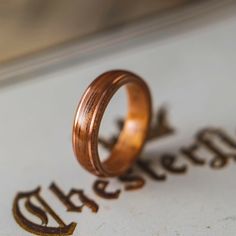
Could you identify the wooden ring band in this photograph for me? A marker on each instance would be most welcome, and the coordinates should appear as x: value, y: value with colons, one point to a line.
x: 89, y: 115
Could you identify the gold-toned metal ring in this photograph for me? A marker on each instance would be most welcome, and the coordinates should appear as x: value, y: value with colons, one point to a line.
x: 89, y: 115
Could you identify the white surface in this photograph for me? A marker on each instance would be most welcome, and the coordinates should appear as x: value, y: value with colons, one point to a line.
x: 194, y: 73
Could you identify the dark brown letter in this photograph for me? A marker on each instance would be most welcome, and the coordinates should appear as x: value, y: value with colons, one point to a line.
x: 99, y: 188
x: 66, y: 199
x: 41, y: 213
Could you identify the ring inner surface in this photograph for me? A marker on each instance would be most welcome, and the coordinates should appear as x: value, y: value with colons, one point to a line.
x: 134, y: 132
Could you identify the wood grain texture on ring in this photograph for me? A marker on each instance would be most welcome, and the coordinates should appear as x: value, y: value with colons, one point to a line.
x: 89, y: 115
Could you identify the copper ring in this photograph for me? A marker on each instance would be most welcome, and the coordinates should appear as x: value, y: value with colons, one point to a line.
x: 89, y: 115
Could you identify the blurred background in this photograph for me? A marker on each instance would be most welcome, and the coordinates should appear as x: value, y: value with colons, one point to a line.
x: 29, y: 26
x: 39, y: 34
